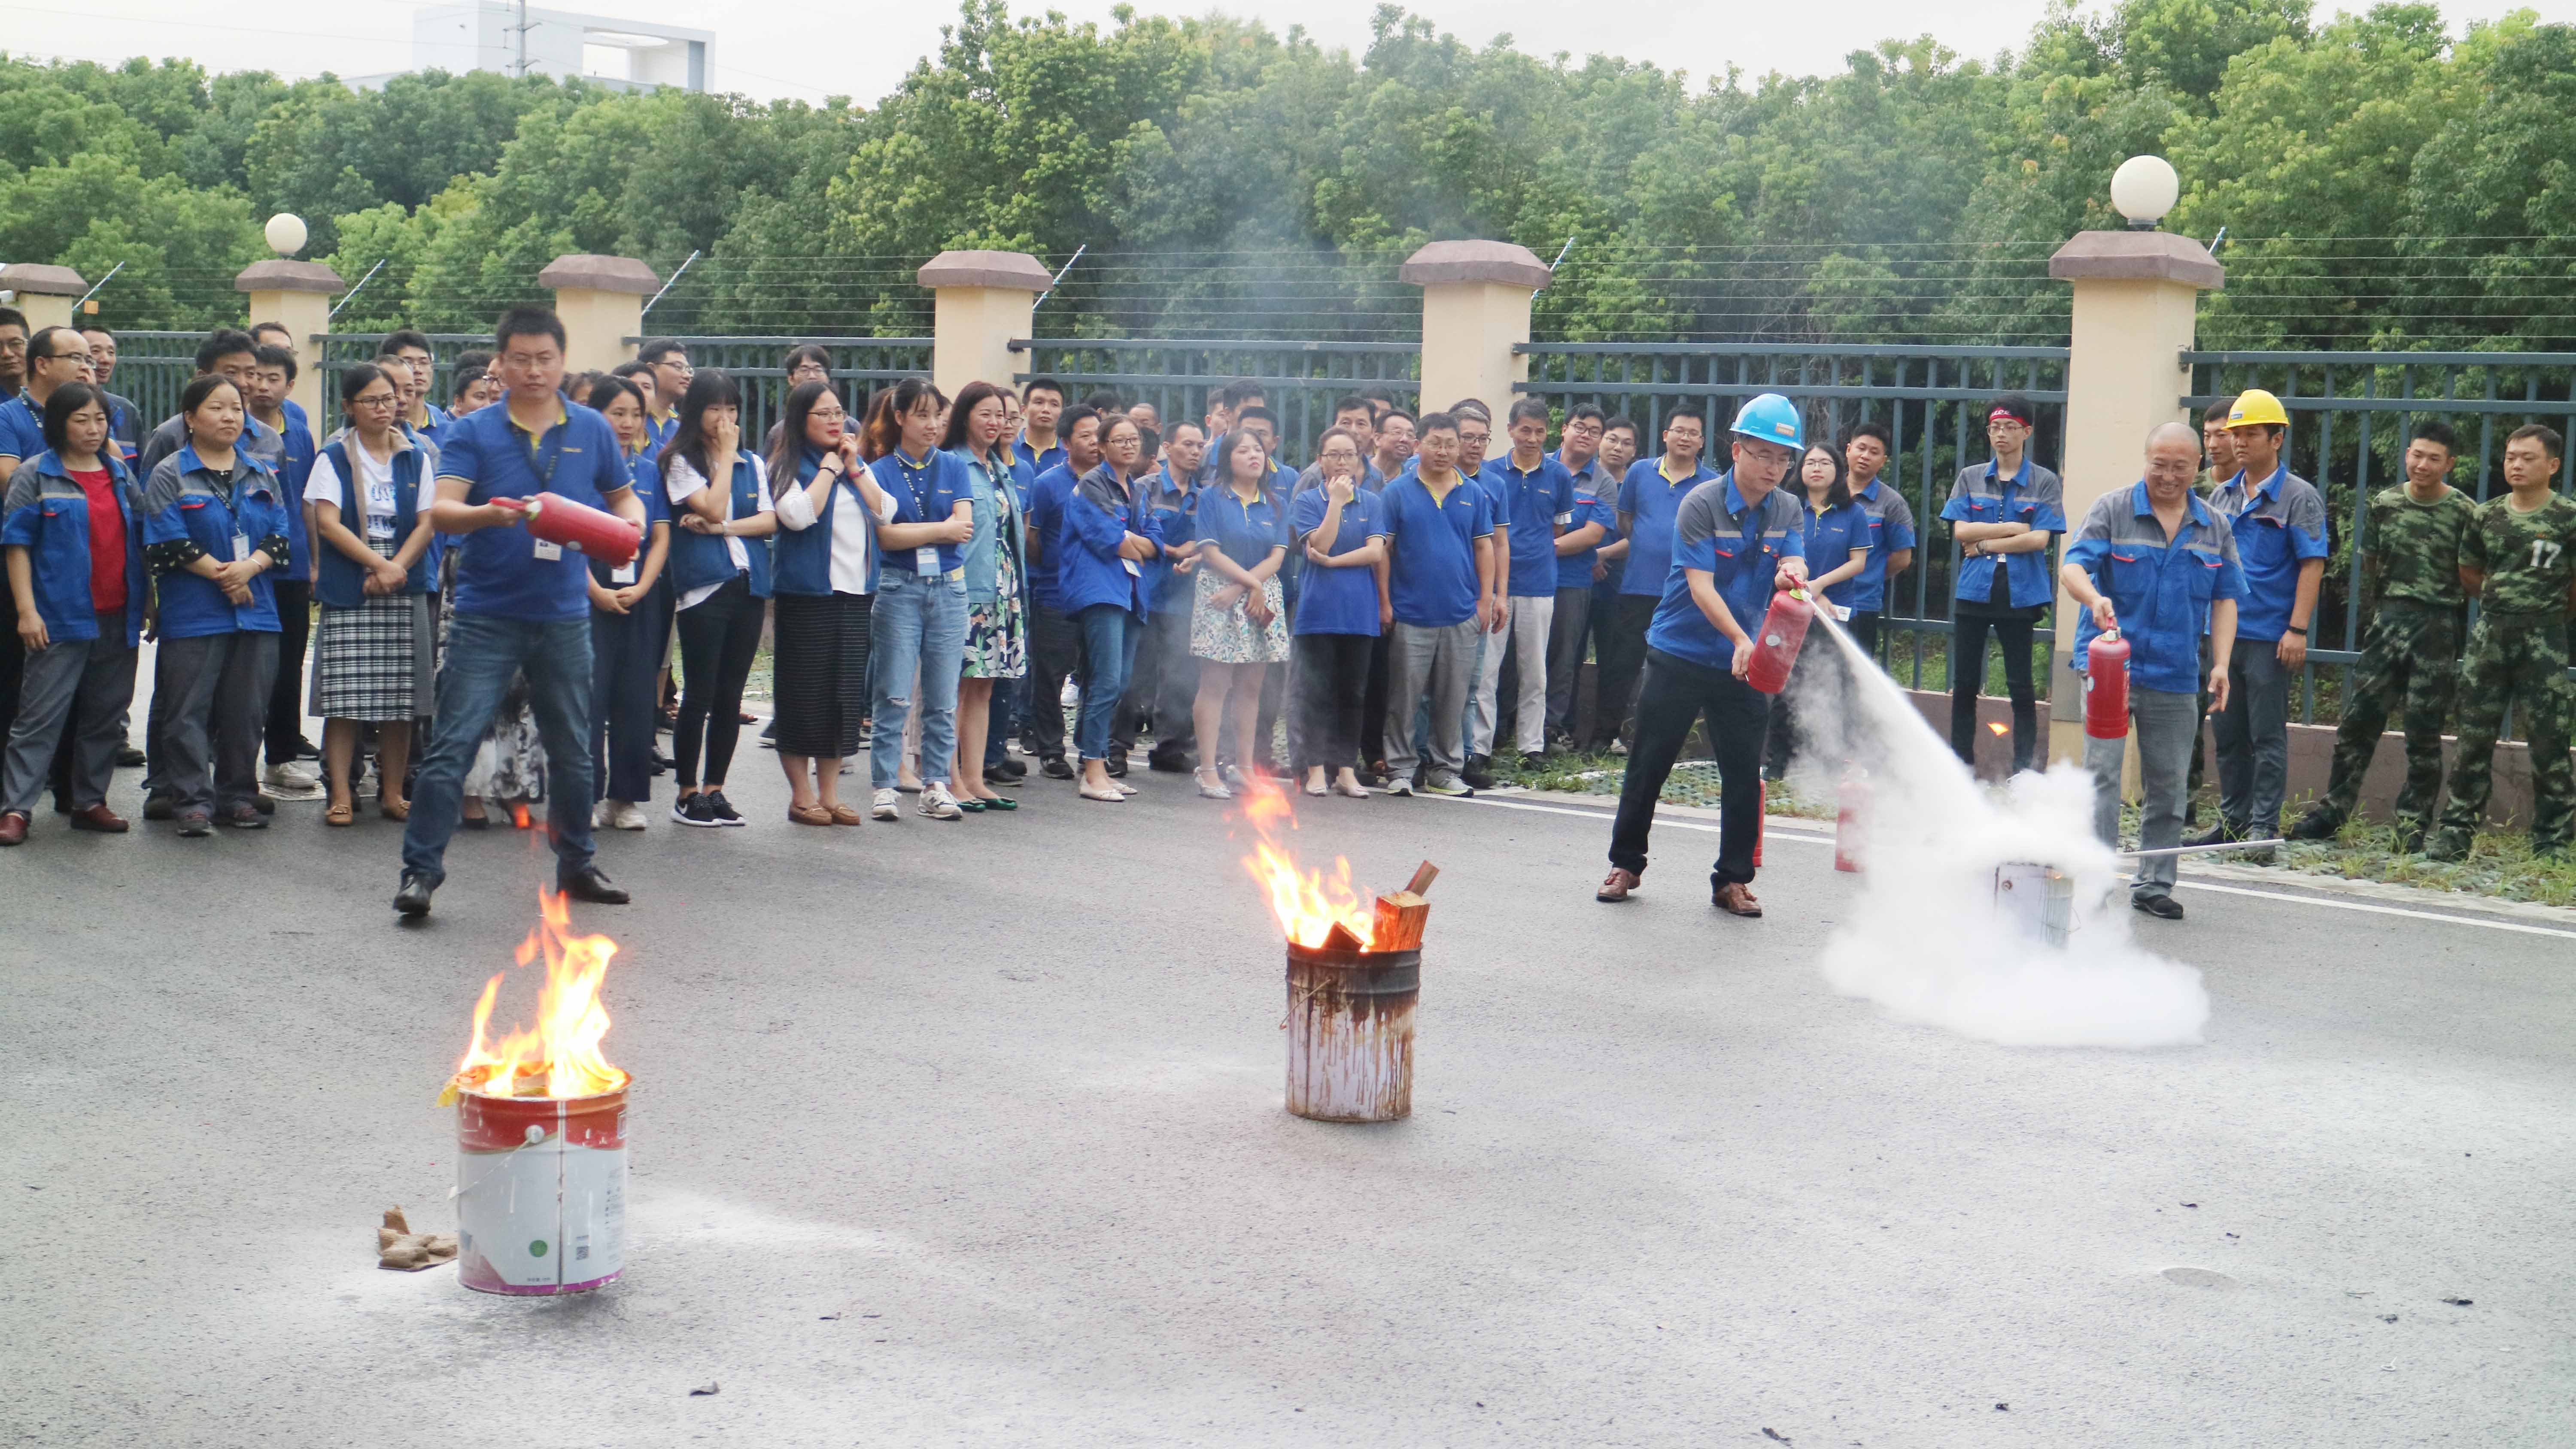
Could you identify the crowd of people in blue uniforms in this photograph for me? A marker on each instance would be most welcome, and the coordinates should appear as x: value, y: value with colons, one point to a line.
x: 1404, y: 603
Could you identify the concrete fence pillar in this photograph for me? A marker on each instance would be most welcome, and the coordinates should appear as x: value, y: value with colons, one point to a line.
x: 2137, y: 298
x: 981, y: 302
x: 1475, y: 310
x: 45, y: 293
x: 601, y: 301
x: 297, y: 296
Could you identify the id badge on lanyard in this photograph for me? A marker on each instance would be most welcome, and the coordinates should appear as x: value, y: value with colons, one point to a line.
x: 925, y: 561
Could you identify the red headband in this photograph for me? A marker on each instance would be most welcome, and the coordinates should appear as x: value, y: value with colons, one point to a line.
x: 2008, y: 413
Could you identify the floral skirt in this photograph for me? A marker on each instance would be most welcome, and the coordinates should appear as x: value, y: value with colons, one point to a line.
x: 1227, y: 636
x: 997, y: 629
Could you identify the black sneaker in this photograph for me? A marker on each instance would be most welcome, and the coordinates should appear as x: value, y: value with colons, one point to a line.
x: 2317, y: 824
x: 1054, y: 768
x: 2222, y: 834
x: 129, y: 758
x: 1009, y: 769
x: 196, y: 825
x: 695, y: 810
x: 306, y: 750
x: 1168, y: 761
x: 720, y: 807
x: 2161, y: 907
x: 1116, y: 764
x: 1479, y: 773
x: 160, y: 807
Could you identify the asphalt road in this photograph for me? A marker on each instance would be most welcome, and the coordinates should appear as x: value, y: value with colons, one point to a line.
x: 1004, y: 1095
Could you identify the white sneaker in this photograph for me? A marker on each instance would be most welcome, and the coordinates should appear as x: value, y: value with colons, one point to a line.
x: 887, y: 806
x: 293, y: 774
x: 599, y: 816
x: 1071, y: 695
x: 625, y: 815
x: 938, y: 804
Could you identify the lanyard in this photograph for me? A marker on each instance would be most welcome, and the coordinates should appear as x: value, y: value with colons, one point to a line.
x: 912, y: 484
x: 547, y: 451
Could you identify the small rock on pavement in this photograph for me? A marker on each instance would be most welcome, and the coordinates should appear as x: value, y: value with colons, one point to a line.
x: 704, y: 1390
x: 2198, y: 1278
x: 2459, y: 1302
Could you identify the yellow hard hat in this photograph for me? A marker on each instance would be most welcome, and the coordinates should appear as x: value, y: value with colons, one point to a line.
x: 2254, y: 406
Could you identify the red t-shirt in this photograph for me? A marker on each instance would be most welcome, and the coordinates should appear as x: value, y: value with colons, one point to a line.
x: 106, y: 539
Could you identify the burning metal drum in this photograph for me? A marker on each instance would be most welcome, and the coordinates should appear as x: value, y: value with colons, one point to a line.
x: 540, y: 1191
x: 1350, y: 1033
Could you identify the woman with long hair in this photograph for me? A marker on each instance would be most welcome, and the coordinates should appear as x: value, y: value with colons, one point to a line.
x: 72, y: 526
x: 828, y: 506
x: 1107, y: 541
x: 372, y: 652
x: 1341, y: 531
x: 719, y: 492
x: 997, y: 631
x: 630, y: 613
x: 214, y: 527
x: 1235, y: 628
x: 1837, y: 535
x: 918, y: 628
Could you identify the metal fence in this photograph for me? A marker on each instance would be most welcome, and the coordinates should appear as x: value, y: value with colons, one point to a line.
x: 1302, y: 379
x: 339, y: 349
x: 2351, y: 417
x: 1927, y: 397
x: 153, y: 368
x: 758, y: 366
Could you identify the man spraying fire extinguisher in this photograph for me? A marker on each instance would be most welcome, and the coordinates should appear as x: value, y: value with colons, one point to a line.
x: 2152, y: 567
x: 1737, y: 539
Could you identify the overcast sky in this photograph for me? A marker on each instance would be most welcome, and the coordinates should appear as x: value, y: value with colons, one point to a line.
x: 766, y: 49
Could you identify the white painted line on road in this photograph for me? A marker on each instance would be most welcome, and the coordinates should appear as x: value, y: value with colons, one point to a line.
x: 1809, y: 838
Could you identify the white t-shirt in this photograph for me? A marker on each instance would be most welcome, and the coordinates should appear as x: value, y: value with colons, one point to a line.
x: 322, y: 485
x: 684, y: 482
x: 854, y: 536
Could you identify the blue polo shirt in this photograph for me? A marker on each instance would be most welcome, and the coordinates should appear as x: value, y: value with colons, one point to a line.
x: 1650, y: 497
x: 1040, y: 459
x: 1830, y: 537
x: 1740, y: 545
x: 1337, y: 600
x: 498, y: 571
x: 1531, y: 504
x: 1431, y: 573
x: 2160, y: 589
x: 1891, y: 530
x: 22, y: 427
x: 2279, y: 524
x: 1244, y: 532
x: 1173, y: 504
x: 1574, y: 570
x: 2033, y: 496
x: 926, y: 490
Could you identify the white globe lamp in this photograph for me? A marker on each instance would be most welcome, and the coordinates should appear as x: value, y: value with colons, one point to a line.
x: 286, y: 234
x: 2144, y: 189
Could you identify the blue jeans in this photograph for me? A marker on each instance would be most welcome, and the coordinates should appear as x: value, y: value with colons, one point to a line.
x: 1110, y: 635
x: 483, y: 652
x: 915, y: 623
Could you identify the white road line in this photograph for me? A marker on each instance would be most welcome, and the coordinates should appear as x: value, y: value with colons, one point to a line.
x: 1806, y: 837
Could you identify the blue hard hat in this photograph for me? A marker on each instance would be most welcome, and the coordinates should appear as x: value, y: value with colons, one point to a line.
x: 1773, y: 419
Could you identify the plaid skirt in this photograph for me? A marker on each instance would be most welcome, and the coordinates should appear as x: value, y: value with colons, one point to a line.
x: 819, y: 669
x: 373, y: 662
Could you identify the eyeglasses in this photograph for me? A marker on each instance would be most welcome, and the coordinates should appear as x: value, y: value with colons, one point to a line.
x: 374, y: 400
x: 834, y: 416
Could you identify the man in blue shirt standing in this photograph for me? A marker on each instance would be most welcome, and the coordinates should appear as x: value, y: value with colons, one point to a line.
x: 1649, y: 496
x: 1596, y: 501
x: 2005, y: 514
x: 1440, y: 566
x: 1736, y: 539
x: 2155, y: 563
x: 522, y: 604
x: 1055, y: 646
x: 1534, y: 503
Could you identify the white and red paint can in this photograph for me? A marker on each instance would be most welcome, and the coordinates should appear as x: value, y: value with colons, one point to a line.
x: 540, y: 1192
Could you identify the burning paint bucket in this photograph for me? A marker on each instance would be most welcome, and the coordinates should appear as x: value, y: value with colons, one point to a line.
x: 2038, y: 898
x: 540, y: 1192
x: 1350, y: 1033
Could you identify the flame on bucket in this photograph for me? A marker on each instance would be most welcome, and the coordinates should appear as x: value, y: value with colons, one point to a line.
x: 561, y: 1056
x: 1308, y: 903
x: 1997, y: 728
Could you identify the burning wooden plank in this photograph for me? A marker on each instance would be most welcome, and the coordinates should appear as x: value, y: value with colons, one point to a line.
x: 1397, y: 925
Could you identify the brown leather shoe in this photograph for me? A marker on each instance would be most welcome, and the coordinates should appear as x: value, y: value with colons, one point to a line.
x: 1736, y: 899
x: 13, y: 828
x: 101, y: 819
x: 1616, y: 886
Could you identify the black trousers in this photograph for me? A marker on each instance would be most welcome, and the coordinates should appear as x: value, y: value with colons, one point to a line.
x: 1373, y: 704
x: 1162, y: 687
x: 625, y: 675
x: 718, y: 641
x: 1619, y: 646
x: 286, y: 696
x: 1675, y: 693
x: 1969, y: 624
x: 1055, y: 651
x: 1332, y: 691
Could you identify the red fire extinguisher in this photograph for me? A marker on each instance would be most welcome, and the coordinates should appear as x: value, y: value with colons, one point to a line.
x: 1850, y: 833
x: 2106, y: 687
x: 1776, y: 643
x: 600, y: 535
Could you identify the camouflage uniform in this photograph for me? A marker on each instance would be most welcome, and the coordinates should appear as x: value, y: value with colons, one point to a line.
x: 2409, y: 655
x: 2517, y: 653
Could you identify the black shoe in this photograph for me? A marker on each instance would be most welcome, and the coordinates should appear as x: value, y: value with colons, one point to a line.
x: 695, y: 809
x: 129, y: 758
x: 242, y: 817
x: 1164, y: 761
x: 1054, y: 768
x: 721, y: 807
x: 592, y: 884
x: 413, y: 898
x: 265, y: 804
x: 1009, y: 769
x: 306, y: 750
x: 1116, y: 765
x: 2222, y: 834
x: 2410, y: 840
x: 2162, y: 907
x: 2447, y: 845
x: 1479, y: 773
x: 2317, y: 824
x: 196, y: 825
x: 159, y: 807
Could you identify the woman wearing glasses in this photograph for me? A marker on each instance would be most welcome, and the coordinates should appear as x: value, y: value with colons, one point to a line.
x: 828, y: 506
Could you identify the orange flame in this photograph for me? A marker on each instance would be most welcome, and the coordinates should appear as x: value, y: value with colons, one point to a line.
x: 561, y: 1057
x: 1307, y: 902
x: 1998, y: 727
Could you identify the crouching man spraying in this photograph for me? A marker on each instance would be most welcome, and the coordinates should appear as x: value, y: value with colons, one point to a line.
x: 2152, y: 561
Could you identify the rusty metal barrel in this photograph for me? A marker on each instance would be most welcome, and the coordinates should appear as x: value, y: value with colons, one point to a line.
x: 1350, y: 1033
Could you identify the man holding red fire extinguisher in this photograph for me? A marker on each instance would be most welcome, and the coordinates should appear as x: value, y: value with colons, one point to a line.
x: 1736, y: 539
x: 2153, y: 567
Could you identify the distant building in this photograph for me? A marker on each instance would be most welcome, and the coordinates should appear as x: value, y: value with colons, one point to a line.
x: 621, y: 54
